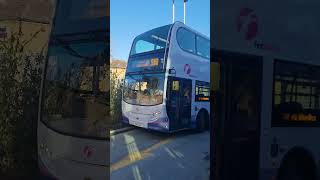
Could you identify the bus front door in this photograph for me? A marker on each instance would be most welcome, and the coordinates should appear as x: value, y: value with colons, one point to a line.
x: 179, y: 102
x: 237, y: 122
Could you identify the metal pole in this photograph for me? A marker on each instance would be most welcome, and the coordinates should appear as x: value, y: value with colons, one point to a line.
x: 184, y: 11
x: 172, y: 11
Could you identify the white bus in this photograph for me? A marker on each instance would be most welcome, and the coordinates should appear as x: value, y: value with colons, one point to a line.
x: 72, y: 125
x: 167, y: 81
x: 266, y: 74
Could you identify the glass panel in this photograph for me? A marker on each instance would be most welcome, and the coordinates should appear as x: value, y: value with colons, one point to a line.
x: 150, y: 41
x: 144, y: 46
x: 202, y: 91
x: 143, y: 89
x: 186, y: 40
x: 277, y: 87
x: 175, y: 85
x: 203, y: 47
x: 300, y: 84
x: 277, y: 99
x: 74, y: 16
x: 75, y: 94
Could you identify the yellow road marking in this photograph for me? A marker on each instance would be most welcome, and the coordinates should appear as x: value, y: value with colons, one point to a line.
x: 136, y: 156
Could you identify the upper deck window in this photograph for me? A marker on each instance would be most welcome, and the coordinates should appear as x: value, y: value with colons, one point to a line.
x: 193, y: 43
x: 150, y: 41
x: 186, y: 40
x: 203, y: 47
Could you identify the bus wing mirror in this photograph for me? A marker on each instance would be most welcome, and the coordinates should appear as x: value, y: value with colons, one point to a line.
x: 172, y: 71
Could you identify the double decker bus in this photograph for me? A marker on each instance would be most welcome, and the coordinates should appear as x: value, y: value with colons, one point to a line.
x: 266, y: 90
x: 167, y: 81
x: 74, y: 102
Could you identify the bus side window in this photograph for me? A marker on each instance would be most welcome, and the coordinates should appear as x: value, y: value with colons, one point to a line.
x: 202, y: 91
x: 295, y: 95
x: 203, y: 47
x: 186, y: 40
x: 173, y: 90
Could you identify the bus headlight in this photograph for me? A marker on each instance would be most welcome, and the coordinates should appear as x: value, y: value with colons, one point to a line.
x: 156, y: 113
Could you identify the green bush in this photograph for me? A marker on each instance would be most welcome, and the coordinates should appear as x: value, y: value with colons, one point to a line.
x: 19, y: 93
x: 115, y: 99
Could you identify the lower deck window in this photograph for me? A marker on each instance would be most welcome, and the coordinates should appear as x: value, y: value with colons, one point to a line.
x: 202, y: 91
x: 296, y: 93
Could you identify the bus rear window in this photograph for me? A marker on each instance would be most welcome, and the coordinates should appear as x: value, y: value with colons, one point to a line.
x: 296, y: 91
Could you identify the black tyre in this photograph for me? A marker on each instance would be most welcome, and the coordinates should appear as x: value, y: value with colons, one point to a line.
x: 295, y: 169
x: 202, y: 121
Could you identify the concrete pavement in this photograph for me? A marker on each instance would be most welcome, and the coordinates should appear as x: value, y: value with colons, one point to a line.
x: 146, y: 155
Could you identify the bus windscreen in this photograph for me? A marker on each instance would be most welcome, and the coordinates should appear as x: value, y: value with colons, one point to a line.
x: 78, y: 16
x: 143, y: 89
x: 76, y: 92
x: 75, y: 98
x: 152, y: 40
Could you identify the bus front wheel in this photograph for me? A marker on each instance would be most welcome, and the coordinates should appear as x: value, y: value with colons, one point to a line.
x: 297, y: 168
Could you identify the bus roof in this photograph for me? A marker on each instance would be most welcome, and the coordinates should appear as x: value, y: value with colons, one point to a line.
x: 179, y: 23
x: 146, y: 32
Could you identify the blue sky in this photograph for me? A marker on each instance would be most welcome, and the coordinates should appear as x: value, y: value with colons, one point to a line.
x: 130, y: 18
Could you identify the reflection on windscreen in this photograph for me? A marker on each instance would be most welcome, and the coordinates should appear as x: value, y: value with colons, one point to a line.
x: 143, y: 89
x: 75, y: 92
x: 80, y: 16
x: 150, y: 41
x: 84, y: 9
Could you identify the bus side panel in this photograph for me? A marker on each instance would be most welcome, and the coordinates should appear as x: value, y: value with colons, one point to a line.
x: 66, y: 157
x: 272, y: 29
x: 181, y: 60
x: 277, y: 28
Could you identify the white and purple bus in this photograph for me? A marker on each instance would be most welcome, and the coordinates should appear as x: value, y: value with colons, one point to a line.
x: 266, y: 74
x: 74, y: 103
x: 167, y: 81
